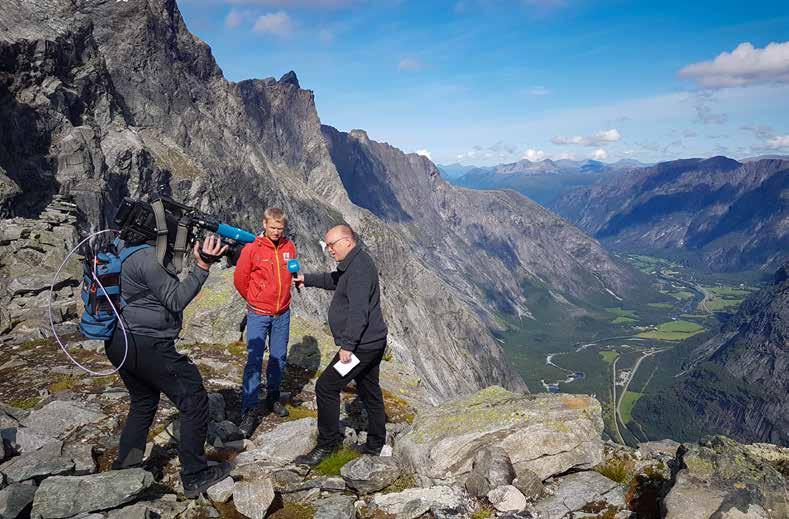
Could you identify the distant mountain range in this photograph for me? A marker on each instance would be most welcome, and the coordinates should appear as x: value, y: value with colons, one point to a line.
x: 716, y: 213
x: 542, y: 181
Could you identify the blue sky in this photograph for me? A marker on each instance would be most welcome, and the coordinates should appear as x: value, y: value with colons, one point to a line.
x: 490, y: 81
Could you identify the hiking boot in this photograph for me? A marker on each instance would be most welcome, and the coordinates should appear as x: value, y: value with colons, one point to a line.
x: 316, y: 455
x: 196, y: 484
x: 279, y: 410
x: 249, y: 422
x: 366, y: 450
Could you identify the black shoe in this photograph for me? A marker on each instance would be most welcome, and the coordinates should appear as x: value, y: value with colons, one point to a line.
x: 249, y: 422
x: 366, y: 450
x: 196, y: 484
x: 316, y: 455
x: 279, y: 410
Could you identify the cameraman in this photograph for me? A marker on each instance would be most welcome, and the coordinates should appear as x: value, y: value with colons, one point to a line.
x: 153, y: 316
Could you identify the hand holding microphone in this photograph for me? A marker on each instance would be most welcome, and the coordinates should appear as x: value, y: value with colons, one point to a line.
x: 298, y: 279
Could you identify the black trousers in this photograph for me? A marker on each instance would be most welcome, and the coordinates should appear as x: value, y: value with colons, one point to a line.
x: 328, y: 389
x: 153, y: 366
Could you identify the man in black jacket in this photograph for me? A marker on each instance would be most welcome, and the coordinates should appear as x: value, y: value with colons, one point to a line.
x: 153, y: 318
x: 358, y: 327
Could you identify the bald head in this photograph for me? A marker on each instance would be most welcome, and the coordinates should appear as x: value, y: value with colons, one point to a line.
x: 340, y: 240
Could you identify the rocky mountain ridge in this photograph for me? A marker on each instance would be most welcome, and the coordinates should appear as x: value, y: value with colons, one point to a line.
x: 717, y: 213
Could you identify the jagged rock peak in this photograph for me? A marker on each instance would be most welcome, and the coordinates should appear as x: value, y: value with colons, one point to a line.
x: 359, y: 135
x: 290, y: 78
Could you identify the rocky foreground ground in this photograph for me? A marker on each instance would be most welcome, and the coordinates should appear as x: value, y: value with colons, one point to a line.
x: 490, y: 454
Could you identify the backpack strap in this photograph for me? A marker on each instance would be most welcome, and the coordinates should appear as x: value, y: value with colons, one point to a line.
x: 161, y: 230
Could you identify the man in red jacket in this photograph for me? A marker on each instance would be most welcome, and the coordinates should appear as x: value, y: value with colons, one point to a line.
x: 263, y: 280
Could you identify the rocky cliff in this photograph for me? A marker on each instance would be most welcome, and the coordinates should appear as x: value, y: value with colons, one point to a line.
x: 736, y: 383
x: 718, y: 213
x: 485, y: 244
x: 104, y: 99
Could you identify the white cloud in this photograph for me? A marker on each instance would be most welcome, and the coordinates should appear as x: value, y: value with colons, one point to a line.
x: 598, y: 139
x: 410, y: 65
x: 778, y: 142
x: 746, y: 65
x: 233, y: 19
x: 424, y: 153
x: 600, y: 154
x: 278, y: 24
x: 565, y: 156
x: 539, y: 91
x: 534, y: 155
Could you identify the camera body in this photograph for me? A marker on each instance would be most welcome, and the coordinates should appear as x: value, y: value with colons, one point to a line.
x: 137, y: 222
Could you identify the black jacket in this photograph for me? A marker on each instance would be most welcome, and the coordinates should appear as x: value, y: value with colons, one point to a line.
x: 355, y: 316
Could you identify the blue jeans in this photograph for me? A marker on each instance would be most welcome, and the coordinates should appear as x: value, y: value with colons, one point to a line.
x: 277, y: 329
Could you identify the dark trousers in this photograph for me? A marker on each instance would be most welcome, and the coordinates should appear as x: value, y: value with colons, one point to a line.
x: 328, y: 389
x: 153, y: 366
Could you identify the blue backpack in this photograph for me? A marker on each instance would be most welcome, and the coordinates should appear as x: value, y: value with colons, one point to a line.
x: 98, y: 319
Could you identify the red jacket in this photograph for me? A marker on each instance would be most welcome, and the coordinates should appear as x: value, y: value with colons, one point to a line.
x: 262, y: 276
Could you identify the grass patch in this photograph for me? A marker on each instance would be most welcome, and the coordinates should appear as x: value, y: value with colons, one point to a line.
x: 484, y: 513
x: 663, y: 306
x: 404, y: 482
x: 621, y: 312
x: 331, y: 465
x: 673, y: 331
x: 620, y: 470
x: 63, y: 383
x: 293, y: 511
x: 35, y: 343
x: 237, y: 349
x: 102, y: 382
x: 397, y: 409
x: 682, y: 295
x: 717, y: 304
x: 298, y: 412
x: 629, y: 399
x: 624, y: 320
x: 25, y: 403
x: 609, y: 356
x: 729, y: 292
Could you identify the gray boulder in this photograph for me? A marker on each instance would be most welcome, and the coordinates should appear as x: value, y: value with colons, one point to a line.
x: 15, y: 499
x: 135, y: 511
x: 222, y: 491
x: 59, y: 418
x: 507, y: 498
x: 491, y: 468
x: 370, y: 474
x: 44, y: 462
x: 723, y: 479
x: 24, y: 439
x: 576, y: 491
x: 82, y: 456
x: 412, y: 503
x: 66, y: 496
x: 216, y: 407
x: 253, y: 498
x: 225, y: 431
x: 336, y: 507
x: 545, y: 433
x: 283, y: 443
x: 529, y: 484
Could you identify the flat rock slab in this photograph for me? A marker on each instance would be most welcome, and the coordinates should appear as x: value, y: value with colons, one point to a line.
x: 285, y: 442
x: 545, y: 433
x: 44, y: 462
x: 15, y: 499
x: 222, y: 491
x: 59, y: 418
x: 24, y: 439
x: 66, y: 496
x: 414, y: 502
x: 578, y: 490
x: 370, y: 474
x: 336, y: 507
x: 253, y: 498
x: 507, y: 498
x: 723, y: 479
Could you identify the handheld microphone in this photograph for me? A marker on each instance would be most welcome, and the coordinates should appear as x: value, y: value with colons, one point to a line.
x: 293, y: 268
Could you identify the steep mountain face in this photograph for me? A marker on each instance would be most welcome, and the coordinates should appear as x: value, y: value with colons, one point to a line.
x: 737, y: 381
x: 720, y: 213
x: 542, y: 181
x: 485, y: 244
x: 102, y: 99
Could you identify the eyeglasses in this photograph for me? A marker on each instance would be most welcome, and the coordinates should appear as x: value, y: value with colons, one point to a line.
x: 335, y: 242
